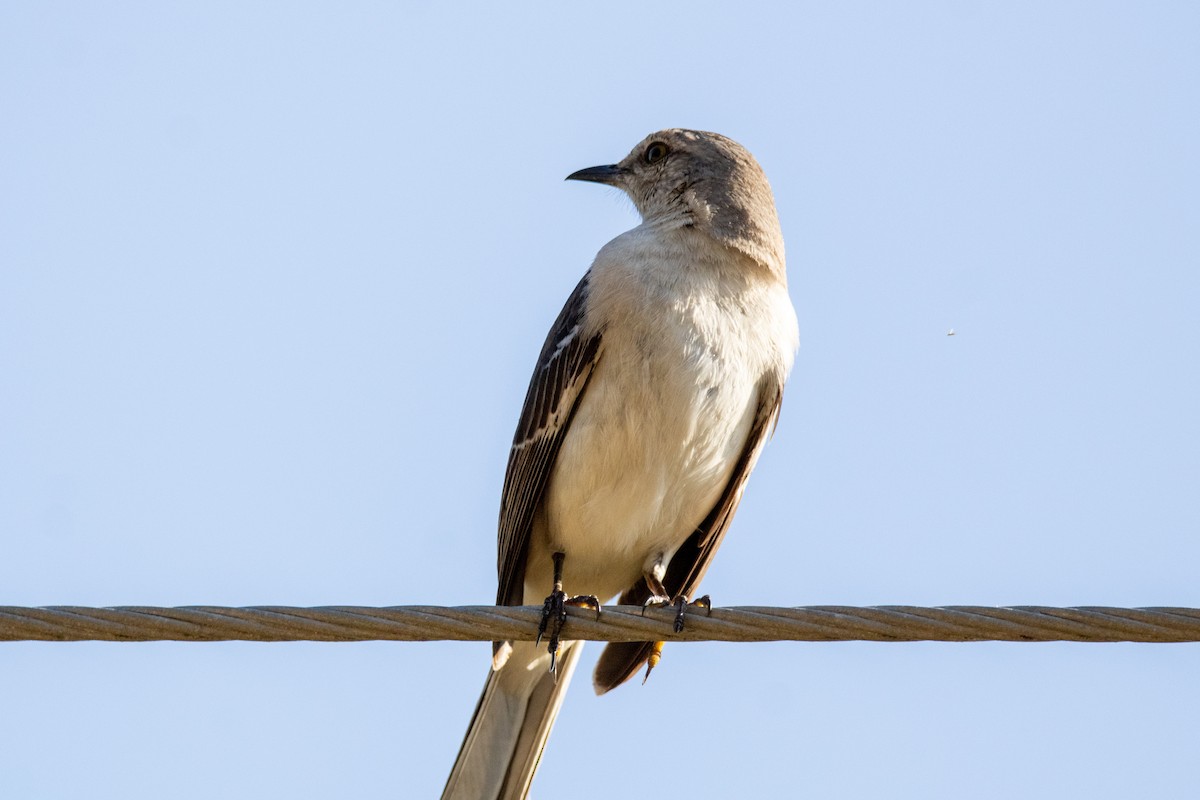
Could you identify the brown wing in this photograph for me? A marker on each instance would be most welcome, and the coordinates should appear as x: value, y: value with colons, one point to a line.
x: 563, y: 370
x: 621, y: 660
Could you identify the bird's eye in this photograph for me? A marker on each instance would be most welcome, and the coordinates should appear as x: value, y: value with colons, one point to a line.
x: 655, y: 152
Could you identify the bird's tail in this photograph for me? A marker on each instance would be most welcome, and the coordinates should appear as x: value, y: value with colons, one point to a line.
x: 511, y: 725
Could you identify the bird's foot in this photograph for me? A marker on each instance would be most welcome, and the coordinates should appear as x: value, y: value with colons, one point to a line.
x: 554, y: 616
x: 657, y: 601
x: 681, y: 605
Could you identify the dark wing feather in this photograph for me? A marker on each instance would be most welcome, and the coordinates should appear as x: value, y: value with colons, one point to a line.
x: 621, y: 660
x: 563, y: 370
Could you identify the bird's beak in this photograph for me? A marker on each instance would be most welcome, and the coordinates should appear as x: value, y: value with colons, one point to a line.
x: 609, y: 174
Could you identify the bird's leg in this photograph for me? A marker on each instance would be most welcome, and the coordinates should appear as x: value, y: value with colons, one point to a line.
x: 653, y: 573
x: 681, y: 603
x: 554, y: 612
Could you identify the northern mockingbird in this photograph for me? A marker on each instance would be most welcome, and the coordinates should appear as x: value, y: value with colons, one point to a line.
x: 652, y: 398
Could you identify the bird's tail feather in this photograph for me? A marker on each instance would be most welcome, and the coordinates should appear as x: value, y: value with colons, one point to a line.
x: 512, y: 723
x: 619, y: 662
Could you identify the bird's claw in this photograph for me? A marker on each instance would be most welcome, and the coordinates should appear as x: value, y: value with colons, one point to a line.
x: 704, y: 601
x: 554, y: 617
x: 681, y: 605
x: 553, y: 609
x: 656, y: 601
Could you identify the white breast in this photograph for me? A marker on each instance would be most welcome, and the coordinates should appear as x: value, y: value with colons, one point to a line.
x: 667, y: 412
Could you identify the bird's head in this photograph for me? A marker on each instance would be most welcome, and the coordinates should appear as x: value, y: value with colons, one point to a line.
x: 682, y: 178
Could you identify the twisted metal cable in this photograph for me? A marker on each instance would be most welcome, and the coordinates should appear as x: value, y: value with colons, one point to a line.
x: 615, y: 624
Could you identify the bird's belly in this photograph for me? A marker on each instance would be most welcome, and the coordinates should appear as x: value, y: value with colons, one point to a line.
x: 638, y: 472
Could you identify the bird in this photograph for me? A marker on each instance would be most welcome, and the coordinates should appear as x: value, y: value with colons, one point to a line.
x: 653, y: 396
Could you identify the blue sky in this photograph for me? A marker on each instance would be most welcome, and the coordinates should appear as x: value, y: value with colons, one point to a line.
x: 273, y: 278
